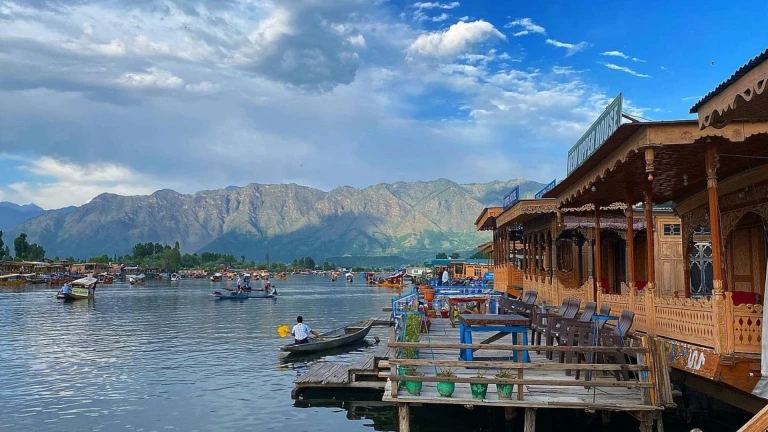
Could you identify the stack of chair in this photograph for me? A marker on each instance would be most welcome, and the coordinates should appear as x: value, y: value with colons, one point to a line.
x: 582, y: 336
x: 559, y: 335
x: 541, y: 325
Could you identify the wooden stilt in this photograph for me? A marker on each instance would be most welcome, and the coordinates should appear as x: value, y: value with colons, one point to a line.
x: 405, y: 418
x: 605, y: 417
x: 530, y: 420
x: 509, y: 413
x: 646, y: 422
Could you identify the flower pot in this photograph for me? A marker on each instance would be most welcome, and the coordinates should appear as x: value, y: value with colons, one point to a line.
x: 446, y: 389
x: 413, y: 387
x: 479, y: 390
x: 504, y: 390
x: 429, y: 295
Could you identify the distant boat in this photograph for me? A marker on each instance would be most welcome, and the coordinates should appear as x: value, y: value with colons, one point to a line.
x: 33, y: 278
x: 349, y: 277
x: 12, y: 280
x: 80, y: 289
x: 216, y: 277
x: 105, y: 278
x: 241, y: 296
x: 175, y: 277
x: 332, y: 339
x: 137, y: 279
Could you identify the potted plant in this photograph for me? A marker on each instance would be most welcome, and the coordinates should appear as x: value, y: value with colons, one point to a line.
x: 413, y: 387
x: 504, y: 390
x: 446, y: 388
x: 479, y: 389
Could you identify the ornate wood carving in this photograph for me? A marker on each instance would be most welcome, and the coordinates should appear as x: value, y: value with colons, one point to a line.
x: 735, y: 98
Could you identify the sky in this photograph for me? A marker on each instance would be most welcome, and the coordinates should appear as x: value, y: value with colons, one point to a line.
x: 132, y: 96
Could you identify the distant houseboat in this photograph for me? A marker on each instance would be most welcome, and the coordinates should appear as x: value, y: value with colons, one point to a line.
x: 12, y: 280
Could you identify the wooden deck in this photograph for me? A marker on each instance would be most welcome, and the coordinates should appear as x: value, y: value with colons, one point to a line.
x: 362, y: 373
x: 547, y: 387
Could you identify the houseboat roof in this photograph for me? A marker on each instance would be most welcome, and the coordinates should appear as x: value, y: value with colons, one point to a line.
x: 677, y: 162
x: 526, y: 209
x: 9, y: 276
x: 487, y: 219
x: 448, y: 261
x: 740, y: 96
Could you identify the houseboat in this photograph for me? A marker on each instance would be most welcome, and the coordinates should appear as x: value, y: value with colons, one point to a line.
x: 12, y: 280
x: 137, y: 279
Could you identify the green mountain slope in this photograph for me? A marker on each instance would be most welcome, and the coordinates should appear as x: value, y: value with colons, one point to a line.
x: 409, y: 219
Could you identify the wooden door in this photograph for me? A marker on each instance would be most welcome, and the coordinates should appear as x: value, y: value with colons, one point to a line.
x: 670, y: 273
x: 746, y: 255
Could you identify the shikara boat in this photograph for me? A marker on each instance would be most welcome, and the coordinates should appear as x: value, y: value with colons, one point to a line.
x: 349, y: 277
x: 36, y: 279
x: 106, y: 278
x: 80, y: 289
x: 216, y: 277
x: 138, y: 279
x: 335, y: 338
x: 12, y: 280
x: 241, y: 296
x: 175, y: 277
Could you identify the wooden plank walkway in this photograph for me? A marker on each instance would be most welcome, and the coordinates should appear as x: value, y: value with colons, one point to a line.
x: 534, y: 396
x: 361, y: 373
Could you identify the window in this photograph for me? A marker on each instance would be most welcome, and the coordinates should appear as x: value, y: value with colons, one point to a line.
x: 671, y: 229
x: 702, y: 230
x: 477, y: 272
x: 700, y: 262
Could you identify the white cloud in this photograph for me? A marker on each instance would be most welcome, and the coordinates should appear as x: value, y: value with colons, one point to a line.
x: 690, y: 98
x: 571, y: 49
x: 357, y: 40
x: 625, y: 69
x: 436, y: 5
x: 152, y: 78
x: 464, y: 18
x: 113, y: 48
x: 621, y: 55
x: 527, y: 25
x: 442, y: 17
x: 64, y: 183
x: 456, y: 40
x: 565, y: 70
x: 202, y: 87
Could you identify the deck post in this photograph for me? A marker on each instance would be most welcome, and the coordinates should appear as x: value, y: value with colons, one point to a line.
x: 598, y: 287
x: 530, y: 420
x: 630, y: 242
x: 404, y: 415
x: 510, y: 413
x: 649, y: 168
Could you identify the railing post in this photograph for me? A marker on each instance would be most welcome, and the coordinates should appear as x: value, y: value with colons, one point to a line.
x: 650, y: 312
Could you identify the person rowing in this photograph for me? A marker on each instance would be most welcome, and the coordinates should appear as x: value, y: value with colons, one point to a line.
x: 302, y: 331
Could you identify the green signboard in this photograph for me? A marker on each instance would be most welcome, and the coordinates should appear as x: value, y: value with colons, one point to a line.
x: 596, y: 135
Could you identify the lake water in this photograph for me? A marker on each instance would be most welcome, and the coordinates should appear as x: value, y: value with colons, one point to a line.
x: 163, y: 358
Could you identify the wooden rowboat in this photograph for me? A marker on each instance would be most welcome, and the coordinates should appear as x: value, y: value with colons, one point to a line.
x: 335, y: 338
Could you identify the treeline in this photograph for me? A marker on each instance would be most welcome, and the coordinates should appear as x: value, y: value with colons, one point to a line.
x: 23, y: 251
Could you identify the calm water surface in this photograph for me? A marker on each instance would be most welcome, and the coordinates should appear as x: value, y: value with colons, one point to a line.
x: 163, y: 358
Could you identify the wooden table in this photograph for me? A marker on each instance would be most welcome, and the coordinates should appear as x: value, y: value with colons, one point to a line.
x: 501, y: 324
x: 453, y: 305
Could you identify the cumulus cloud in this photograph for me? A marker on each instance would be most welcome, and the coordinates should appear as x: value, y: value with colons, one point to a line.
x: 527, y: 25
x: 570, y: 48
x: 436, y: 5
x: 625, y: 70
x: 456, y: 40
x: 129, y: 97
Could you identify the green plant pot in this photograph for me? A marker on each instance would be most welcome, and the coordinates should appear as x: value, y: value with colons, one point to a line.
x: 403, y: 370
x: 446, y: 389
x: 479, y: 390
x: 505, y: 390
x: 413, y: 387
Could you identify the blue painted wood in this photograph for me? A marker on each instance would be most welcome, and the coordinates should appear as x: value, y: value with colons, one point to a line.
x: 465, y: 336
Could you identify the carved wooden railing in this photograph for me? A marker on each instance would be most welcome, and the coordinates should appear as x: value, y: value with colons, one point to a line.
x: 684, y: 319
x: 747, y: 328
x: 501, y: 278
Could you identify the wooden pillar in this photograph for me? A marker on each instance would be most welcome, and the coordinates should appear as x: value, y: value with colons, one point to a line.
x: 536, y: 271
x: 579, y: 259
x: 630, y: 243
x: 548, y: 256
x: 598, y: 256
x: 530, y: 420
x: 648, y: 207
x: 404, y: 415
x: 714, y: 218
x: 722, y: 305
x: 553, y: 258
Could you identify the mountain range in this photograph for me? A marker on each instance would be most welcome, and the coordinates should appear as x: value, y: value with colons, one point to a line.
x: 13, y: 214
x: 413, y: 220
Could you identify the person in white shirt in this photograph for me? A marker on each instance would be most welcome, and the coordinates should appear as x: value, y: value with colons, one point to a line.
x: 446, y: 278
x: 302, y: 331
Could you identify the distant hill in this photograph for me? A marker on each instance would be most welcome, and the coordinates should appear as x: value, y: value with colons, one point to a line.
x: 412, y: 220
x: 13, y: 214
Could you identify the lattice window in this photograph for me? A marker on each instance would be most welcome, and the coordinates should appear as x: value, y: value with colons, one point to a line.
x: 701, y: 269
x: 671, y: 229
x: 701, y: 230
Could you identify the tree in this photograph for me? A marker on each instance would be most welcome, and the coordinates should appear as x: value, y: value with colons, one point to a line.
x: 3, y: 257
x: 21, y: 246
x: 441, y: 255
x: 455, y: 255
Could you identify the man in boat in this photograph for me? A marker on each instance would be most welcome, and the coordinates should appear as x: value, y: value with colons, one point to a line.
x: 302, y: 331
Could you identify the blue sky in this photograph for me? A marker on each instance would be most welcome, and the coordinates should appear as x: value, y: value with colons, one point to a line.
x: 129, y: 96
